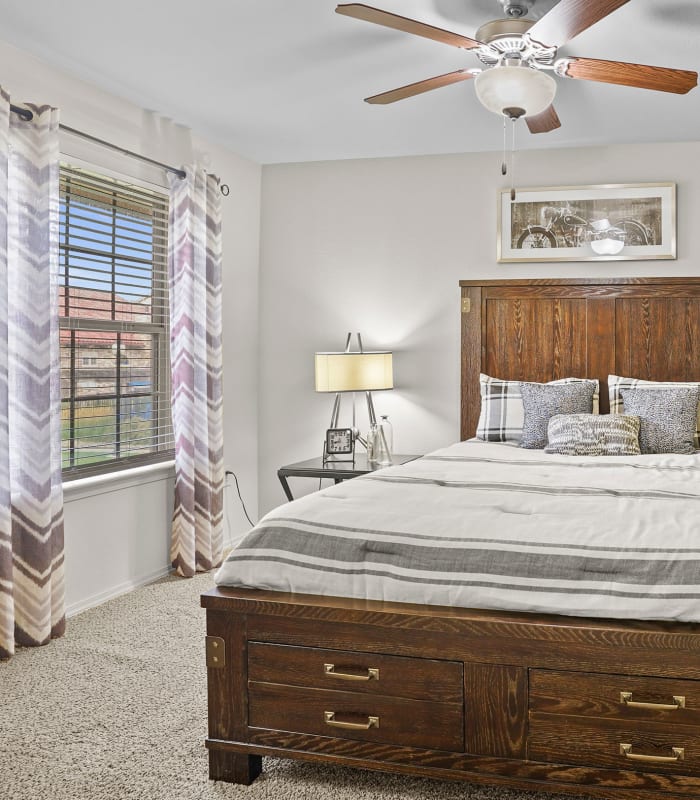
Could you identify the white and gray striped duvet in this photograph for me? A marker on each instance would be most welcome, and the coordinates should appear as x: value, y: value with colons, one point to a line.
x: 486, y: 525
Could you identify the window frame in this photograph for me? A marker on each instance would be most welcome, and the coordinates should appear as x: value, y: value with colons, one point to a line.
x: 158, y: 329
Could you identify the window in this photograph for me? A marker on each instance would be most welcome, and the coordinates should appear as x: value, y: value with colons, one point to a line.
x: 114, y: 324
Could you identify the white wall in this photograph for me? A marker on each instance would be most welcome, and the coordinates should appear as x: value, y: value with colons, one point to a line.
x: 117, y: 532
x: 379, y: 246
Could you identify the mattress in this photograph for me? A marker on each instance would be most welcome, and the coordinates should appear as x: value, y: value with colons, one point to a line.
x: 483, y: 525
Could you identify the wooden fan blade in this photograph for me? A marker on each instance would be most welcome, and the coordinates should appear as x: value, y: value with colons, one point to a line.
x: 379, y: 17
x: 662, y: 79
x: 569, y: 18
x: 547, y: 121
x: 421, y: 86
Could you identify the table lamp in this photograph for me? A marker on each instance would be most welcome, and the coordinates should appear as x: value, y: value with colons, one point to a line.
x: 348, y: 371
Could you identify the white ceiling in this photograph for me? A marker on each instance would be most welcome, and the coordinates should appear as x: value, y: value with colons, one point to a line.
x: 283, y: 80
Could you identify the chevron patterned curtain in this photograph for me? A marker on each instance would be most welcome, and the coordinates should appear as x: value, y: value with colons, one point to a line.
x: 194, y: 273
x: 31, y: 497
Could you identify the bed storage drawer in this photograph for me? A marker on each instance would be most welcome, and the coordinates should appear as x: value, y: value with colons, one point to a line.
x: 621, y: 697
x: 637, y: 746
x: 353, y: 715
x: 364, y: 673
x: 638, y: 723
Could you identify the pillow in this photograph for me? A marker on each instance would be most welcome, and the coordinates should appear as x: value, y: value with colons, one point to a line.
x: 593, y: 435
x: 616, y: 384
x: 668, y: 418
x: 542, y: 401
x: 501, y: 417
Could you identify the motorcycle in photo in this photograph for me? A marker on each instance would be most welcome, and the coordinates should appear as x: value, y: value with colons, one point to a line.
x: 561, y: 226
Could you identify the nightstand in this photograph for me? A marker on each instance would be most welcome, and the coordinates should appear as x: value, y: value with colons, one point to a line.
x: 337, y: 470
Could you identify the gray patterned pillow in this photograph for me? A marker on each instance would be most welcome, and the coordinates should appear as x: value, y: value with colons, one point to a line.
x: 542, y: 401
x: 616, y: 384
x: 669, y: 418
x: 593, y: 435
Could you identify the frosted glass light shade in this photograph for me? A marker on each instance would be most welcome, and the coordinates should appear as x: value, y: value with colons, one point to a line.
x: 354, y: 372
x: 607, y: 247
x: 521, y: 87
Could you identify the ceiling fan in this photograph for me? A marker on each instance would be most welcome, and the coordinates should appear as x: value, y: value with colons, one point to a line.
x: 518, y: 53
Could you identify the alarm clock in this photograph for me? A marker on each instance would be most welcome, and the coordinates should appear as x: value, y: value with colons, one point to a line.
x: 339, y: 441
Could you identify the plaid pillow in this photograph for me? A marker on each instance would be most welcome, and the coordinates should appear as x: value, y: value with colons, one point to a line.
x: 616, y: 384
x: 502, y: 415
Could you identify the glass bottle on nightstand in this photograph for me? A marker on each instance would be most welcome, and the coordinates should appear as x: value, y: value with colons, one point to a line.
x: 381, y: 452
x: 372, y: 444
x: 388, y: 430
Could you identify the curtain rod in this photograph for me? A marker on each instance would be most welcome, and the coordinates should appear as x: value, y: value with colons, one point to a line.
x: 28, y: 115
x: 90, y: 138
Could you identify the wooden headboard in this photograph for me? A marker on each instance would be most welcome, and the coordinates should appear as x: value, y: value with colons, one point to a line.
x: 541, y: 330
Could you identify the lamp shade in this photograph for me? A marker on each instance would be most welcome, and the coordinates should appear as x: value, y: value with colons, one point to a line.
x: 522, y: 87
x: 354, y: 372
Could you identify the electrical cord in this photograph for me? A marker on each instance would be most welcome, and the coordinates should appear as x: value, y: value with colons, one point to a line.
x: 238, y: 489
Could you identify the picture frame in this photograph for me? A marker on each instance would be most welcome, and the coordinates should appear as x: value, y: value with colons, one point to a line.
x: 606, y: 222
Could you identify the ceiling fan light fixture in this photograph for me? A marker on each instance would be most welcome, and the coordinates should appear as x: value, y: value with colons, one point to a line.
x: 607, y: 246
x: 515, y: 87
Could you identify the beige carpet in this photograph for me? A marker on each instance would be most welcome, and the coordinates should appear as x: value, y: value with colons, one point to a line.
x: 117, y: 709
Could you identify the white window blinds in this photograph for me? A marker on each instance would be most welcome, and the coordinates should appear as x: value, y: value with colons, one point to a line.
x: 114, y: 324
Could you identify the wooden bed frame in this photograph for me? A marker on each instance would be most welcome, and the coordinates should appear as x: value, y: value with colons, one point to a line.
x: 605, y: 708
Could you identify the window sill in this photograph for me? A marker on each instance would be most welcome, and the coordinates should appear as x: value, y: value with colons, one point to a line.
x: 113, y: 481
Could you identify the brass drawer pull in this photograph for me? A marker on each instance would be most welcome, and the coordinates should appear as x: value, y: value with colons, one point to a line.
x: 329, y: 719
x: 678, y: 702
x: 678, y: 755
x: 372, y: 674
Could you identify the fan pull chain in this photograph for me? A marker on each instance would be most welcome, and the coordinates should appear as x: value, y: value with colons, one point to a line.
x: 512, y: 163
x: 504, y: 166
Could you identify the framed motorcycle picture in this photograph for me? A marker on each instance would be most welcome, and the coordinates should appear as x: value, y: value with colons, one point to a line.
x: 615, y: 222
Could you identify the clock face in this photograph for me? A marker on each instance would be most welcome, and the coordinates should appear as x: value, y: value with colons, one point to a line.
x: 339, y: 440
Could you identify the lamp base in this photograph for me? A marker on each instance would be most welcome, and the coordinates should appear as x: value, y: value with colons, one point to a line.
x: 355, y: 430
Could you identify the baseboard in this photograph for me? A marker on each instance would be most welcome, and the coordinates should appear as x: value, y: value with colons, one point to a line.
x: 115, y: 591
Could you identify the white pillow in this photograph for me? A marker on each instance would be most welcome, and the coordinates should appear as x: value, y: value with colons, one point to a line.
x: 616, y: 384
x: 502, y: 414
